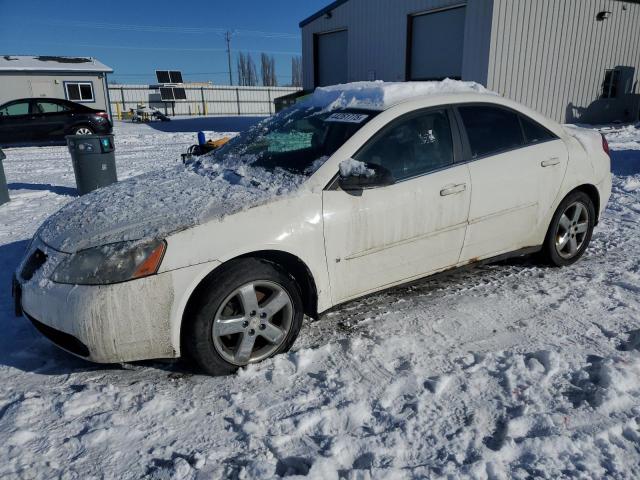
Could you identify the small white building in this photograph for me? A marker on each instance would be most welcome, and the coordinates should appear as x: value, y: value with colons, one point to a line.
x: 79, y: 79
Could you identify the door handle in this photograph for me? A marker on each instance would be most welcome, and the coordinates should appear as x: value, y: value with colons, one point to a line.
x: 549, y: 163
x: 453, y: 189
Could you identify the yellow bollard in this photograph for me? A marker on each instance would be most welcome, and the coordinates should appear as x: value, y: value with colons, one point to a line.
x: 118, y: 113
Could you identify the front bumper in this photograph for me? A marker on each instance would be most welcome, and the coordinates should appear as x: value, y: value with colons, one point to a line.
x: 114, y: 323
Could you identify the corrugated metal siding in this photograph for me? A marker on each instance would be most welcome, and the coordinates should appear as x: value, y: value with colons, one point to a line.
x: 377, y: 37
x: 552, y: 55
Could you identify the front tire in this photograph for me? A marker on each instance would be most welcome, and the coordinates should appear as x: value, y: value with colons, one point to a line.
x: 570, y: 231
x: 251, y: 311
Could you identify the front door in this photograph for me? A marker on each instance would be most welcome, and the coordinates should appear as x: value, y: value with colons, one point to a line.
x: 15, y: 122
x: 388, y: 235
x: 516, y: 171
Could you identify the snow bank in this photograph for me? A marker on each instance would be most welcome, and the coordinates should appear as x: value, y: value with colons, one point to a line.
x: 379, y: 95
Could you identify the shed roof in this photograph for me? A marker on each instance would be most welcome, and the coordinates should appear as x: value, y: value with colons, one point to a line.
x: 320, y: 13
x: 51, y: 63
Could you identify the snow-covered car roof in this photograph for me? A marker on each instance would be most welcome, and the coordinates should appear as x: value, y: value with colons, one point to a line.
x: 381, y: 95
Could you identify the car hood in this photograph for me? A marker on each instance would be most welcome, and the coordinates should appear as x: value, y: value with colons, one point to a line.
x: 159, y: 203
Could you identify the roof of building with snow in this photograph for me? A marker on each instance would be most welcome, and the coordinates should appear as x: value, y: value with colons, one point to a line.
x: 51, y: 63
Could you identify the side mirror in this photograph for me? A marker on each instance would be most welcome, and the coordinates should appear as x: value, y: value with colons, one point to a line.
x: 355, y: 175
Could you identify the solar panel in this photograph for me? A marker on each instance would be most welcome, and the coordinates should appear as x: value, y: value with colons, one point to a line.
x: 166, y: 94
x: 163, y: 76
x: 175, y: 76
x: 179, y: 93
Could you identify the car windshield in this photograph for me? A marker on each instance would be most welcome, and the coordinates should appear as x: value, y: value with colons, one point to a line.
x: 299, y: 139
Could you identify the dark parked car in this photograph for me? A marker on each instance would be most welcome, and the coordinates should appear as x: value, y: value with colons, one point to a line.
x: 48, y: 119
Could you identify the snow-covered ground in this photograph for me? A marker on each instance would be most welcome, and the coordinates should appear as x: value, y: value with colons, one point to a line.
x: 503, y: 371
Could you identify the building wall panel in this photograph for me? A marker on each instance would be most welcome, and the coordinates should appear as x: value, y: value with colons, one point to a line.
x: 377, y: 37
x: 552, y: 56
x: 15, y: 85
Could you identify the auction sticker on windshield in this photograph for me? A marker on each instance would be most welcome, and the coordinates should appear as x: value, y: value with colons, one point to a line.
x: 347, y: 117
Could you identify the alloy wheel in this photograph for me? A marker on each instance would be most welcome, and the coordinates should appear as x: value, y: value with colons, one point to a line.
x: 572, y: 229
x: 83, y: 131
x: 252, y: 322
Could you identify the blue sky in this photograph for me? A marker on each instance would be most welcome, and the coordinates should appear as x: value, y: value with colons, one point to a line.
x: 136, y: 37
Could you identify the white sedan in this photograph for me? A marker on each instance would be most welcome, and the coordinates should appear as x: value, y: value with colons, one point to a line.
x: 360, y: 188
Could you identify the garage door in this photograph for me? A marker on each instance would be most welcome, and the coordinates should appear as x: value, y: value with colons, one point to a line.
x: 436, y: 41
x: 331, y: 58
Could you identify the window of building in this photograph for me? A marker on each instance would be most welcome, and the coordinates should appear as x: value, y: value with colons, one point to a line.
x: 534, y: 132
x: 491, y: 130
x: 412, y: 146
x: 17, y: 108
x: 610, y: 84
x: 79, y: 91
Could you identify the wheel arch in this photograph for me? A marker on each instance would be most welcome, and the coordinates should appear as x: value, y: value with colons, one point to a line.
x: 592, y: 192
x: 290, y: 263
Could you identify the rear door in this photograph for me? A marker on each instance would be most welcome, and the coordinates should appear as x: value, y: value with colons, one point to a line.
x: 16, y: 124
x: 387, y: 235
x: 50, y: 119
x: 517, y: 167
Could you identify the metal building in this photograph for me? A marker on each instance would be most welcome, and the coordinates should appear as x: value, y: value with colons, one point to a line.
x: 79, y: 79
x: 572, y: 60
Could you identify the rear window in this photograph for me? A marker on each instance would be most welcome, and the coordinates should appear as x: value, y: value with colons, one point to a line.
x: 534, y: 132
x: 491, y: 130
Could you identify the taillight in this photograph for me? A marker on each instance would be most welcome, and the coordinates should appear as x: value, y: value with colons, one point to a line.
x: 605, y: 144
x: 103, y: 115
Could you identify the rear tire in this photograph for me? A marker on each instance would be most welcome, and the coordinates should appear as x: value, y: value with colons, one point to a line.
x: 83, y: 130
x: 570, y: 231
x: 251, y: 311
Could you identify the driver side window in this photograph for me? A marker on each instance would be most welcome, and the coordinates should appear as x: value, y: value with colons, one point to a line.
x: 14, y: 109
x: 412, y: 146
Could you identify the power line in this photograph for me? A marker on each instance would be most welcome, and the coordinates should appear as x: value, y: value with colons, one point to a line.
x: 168, y: 29
x: 176, y: 49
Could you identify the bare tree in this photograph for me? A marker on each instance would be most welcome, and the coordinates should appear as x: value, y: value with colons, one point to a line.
x: 296, y: 71
x: 247, y: 76
x: 268, y: 70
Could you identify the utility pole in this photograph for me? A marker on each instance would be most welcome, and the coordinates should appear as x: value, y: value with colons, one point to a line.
x: 227, y: 37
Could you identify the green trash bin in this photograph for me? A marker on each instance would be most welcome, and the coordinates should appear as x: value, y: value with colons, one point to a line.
x: 4, y: 190
x: 94, y: 161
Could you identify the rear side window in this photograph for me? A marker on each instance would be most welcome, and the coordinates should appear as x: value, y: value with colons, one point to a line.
x: 50, y: 107
x: 534, y: 132
x: 414, y: 145
x: 491, y: 130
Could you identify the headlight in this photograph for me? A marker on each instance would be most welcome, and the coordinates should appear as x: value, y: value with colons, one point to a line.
x: 117, y: 262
